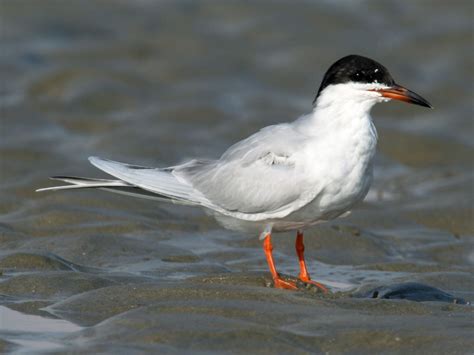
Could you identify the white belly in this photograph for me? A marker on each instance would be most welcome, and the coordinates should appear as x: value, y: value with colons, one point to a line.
x: 332, y: 202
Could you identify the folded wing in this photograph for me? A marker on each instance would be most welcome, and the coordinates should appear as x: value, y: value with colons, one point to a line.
x: 260, y: 177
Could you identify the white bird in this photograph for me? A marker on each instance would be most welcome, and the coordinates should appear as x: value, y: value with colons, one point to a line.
x: 288, y: 176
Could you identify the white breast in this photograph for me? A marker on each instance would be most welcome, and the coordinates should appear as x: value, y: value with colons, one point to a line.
x: 339, y: 157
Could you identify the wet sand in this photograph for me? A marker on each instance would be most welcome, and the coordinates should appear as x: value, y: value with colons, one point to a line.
x: 155, y: 83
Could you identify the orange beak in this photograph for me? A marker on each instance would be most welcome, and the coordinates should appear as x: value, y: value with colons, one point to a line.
x: 397, y: 92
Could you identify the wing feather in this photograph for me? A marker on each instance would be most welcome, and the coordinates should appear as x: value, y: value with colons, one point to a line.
x: 259, y: 175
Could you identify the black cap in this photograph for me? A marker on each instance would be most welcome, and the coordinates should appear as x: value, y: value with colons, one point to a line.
x: 355, y: 68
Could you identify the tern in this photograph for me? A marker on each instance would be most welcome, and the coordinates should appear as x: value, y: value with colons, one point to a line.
x: 285, y: 177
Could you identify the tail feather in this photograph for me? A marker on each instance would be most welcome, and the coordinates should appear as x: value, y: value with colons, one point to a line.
x: 82, y: 182
x: 140, y: 193
x: 138, y: 181
x: 80, y: 179
x: 158, y: 181
x: 116, y: 186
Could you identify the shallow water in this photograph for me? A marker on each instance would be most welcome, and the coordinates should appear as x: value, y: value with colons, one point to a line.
x: 154, y: 83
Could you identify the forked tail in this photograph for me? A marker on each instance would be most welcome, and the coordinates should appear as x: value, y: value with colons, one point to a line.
x: 132, y: 180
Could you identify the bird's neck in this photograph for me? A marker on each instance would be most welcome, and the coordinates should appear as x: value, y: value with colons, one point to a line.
x: 343, y: 130
x: 343, y: 119
x: 342, y: 112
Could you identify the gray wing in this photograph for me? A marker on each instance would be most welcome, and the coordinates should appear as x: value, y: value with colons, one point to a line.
x: 259, y: 175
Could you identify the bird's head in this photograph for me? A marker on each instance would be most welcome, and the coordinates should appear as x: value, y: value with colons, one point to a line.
x: 362, y: 80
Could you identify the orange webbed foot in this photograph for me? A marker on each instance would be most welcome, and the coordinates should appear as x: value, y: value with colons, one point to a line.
x: 320, y: 286
x: 284, y: 284
x: 304, y: 279
x: 304, y: 275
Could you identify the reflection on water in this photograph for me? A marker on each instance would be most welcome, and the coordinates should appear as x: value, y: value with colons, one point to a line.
x: 31, y: 332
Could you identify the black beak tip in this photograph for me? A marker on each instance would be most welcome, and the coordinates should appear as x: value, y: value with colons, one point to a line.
x: 426, y: 104
x: 417, y: 99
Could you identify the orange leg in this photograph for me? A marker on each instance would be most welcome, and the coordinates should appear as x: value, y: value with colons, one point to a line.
x: 304, y: 275
x: 277, y: 280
